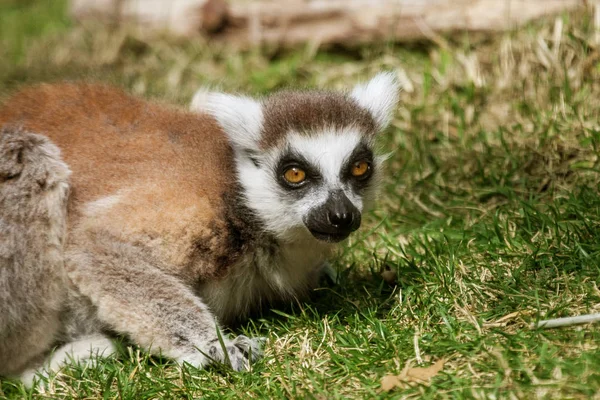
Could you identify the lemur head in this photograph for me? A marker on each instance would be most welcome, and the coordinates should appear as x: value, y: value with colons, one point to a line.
x: 306, y: 160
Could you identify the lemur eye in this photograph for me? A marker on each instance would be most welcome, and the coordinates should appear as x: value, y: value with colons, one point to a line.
x: 294, y: 175
x: 360, y: 168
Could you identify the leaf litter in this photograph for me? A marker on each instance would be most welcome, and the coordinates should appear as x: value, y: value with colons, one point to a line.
x: 411, y: 376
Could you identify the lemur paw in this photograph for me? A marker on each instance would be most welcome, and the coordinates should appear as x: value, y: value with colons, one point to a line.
x: 252, y: 347
x: 240, y: 352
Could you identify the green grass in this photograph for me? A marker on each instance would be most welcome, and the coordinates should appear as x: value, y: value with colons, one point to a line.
x: 23, y: 21
x: 490, y: 214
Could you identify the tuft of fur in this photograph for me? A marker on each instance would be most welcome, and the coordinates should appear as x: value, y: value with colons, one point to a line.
x: 240, y: 117
x: 379, y: 96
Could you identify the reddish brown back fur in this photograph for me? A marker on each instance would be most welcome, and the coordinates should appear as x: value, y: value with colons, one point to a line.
x: 171, y: 167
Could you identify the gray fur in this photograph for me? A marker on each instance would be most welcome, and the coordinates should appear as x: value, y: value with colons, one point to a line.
x: 52, y: 292
x: 33, y: 200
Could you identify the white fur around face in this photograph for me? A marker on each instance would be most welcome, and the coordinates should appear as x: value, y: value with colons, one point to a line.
x: 261, y: 191
x: 242, y: 118
x: 379, y: 96
x: 328, y: 151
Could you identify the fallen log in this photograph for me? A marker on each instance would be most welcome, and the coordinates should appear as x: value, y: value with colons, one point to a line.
x: 290, y: 23
x: 179, y: 17
x: 360, y: 21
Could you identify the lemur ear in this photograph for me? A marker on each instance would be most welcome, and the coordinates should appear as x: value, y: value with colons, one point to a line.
x: 379, y: 96
x: 240, y: 117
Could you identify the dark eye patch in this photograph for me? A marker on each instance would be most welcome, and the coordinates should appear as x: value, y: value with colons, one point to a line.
x: 295, y: 160
x: 362, y: 152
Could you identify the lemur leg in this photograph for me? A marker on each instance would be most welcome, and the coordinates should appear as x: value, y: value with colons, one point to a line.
x: 85, y: 350
x: 156, y: 310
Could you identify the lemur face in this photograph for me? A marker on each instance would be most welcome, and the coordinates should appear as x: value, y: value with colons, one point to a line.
x: 325, y: 178
x: 306, y: 160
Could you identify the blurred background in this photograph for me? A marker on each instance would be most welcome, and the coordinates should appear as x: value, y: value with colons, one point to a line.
x: 158, y: 46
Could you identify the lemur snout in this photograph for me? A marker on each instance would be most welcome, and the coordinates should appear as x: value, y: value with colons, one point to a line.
x: 341, y: 213
x: 335, y: 219
x: 340, y: 219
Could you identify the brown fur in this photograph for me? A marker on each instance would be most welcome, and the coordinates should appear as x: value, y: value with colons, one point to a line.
x: 147, y: 220
x: 305, y: 112
x: 170, y: 166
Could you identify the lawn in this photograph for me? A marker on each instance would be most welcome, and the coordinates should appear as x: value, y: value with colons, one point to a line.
x: 489, y: 216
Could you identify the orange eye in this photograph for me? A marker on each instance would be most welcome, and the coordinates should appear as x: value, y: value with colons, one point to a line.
x: 360, y: 168
x: 294, y: 175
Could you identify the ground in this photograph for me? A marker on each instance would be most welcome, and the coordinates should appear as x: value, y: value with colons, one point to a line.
x: 490, y: 214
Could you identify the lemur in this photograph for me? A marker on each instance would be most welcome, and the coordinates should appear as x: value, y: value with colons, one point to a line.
x: 121, y: 216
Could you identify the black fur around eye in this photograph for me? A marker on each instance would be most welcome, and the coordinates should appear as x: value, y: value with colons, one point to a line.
x: 294, y: 172
x: 359, y: 167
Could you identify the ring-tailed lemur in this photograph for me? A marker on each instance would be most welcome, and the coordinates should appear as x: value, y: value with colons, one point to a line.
x: 123, y: 216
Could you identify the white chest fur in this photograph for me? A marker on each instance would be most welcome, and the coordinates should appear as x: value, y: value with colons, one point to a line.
x: 263, y: 276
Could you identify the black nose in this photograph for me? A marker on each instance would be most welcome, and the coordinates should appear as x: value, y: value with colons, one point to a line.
x: 340, y: 219
x: 334, y: 220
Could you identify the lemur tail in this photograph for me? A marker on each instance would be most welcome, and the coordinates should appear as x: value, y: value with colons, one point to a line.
x: 34, y: 188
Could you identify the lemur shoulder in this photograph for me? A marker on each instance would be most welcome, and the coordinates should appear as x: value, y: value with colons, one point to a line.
x: 124, y: 216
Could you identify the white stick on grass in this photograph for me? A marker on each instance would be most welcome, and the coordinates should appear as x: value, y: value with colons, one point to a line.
x: 568, y: 321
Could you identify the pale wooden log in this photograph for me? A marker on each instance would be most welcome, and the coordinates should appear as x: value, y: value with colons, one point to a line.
x: 289, y: 23
x: 293, y: 22
x: 181, y: 17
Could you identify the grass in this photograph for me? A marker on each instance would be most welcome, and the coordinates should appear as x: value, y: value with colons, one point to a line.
x: 490, y: 214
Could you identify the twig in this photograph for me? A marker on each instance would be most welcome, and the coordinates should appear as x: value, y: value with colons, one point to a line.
x: 423, y: 207
x: 568, y: 321
x: 417, y: 350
